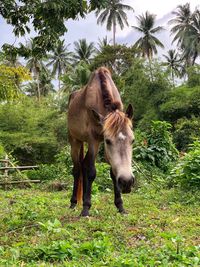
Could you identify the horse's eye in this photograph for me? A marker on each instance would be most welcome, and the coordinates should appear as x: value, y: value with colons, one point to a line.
x: 108, y: 142
x: 132, y: 142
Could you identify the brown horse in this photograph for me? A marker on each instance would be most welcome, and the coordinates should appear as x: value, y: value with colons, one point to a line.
x: 96, y: 114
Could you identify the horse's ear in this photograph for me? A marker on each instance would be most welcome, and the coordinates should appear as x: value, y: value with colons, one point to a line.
x: 129, y: 111
x: 97, y: 116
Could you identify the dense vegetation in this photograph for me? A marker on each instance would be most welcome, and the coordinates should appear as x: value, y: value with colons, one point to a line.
x: 36, y: 227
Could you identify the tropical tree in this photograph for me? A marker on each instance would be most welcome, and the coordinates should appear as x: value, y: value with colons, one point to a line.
x: 181, y: 22
x: 46, y: 18
x: 35, y: 64
x: 114, y: 14
x: 83, y: 51
x: 187, y: 32
x: 102, y: 44
x: 45, y: 83
x: 173, y: 64
x: 180, y: 30
x: 60, y: 59
x: 192, y: 39
x: 148, y: 43
x: 11, y: 79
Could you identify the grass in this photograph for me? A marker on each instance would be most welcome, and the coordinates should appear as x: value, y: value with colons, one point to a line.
x: 161, y: 229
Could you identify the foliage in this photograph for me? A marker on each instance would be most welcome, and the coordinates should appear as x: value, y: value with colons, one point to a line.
x: 83, y: 51
x: 24, y: 14
x: 37, y: 229
x: 103, y: 180
x: 185, y: 132
x: 75, y: 77
x: 118, y: 58
x: 186, y: 32
x: 32, y: 135
x: 2, y: 151
x: 173, y: 64
x: 187, y: 172
x: 158, y: 148
x: 60, y: 59
x: 113, y: 14
x: 145, y: 94
x: 148, y: 43
x: 193, y: 76
x: 181, y: 102
x: 10, y: 79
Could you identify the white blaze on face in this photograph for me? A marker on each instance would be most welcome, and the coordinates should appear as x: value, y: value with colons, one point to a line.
x: 122, y: 136
x: 119, y: 154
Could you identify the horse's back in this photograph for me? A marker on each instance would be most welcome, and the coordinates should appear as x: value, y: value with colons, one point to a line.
x: 83, y: 101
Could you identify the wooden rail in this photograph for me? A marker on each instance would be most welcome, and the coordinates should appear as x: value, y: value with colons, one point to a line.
x: 18, y: 168
x: 6, y: 178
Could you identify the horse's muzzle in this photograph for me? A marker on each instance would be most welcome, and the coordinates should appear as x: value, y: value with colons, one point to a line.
x: 125, y: 184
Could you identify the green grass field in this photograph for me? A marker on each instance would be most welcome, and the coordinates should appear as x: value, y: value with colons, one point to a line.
x: 37, y: 229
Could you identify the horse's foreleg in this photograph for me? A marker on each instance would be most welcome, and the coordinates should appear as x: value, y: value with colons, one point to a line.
x: 89, y: 174
x: 117, y: 195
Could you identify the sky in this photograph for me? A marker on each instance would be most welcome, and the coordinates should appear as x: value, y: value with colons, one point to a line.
x: 88, y: 28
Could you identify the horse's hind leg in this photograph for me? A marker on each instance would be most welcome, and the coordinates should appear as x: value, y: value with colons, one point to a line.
x: 75, y: 154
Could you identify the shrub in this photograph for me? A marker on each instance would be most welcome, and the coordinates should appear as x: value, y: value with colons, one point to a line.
x: 181, y: 102
x: 103, y: 179
x: 2, y: 152
x: 61, y: 170
x: 187, y: 172
x: 186, y: 130
x: 158, y: 148
x: 33, y: 132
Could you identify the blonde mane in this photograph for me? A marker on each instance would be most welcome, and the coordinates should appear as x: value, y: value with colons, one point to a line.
x: 115, y: 122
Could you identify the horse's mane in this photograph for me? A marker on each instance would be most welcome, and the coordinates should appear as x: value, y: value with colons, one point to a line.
x: 109, y: 104
x: 115, y: 122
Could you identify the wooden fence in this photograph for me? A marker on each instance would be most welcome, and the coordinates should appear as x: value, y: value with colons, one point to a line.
x: 6, y: 165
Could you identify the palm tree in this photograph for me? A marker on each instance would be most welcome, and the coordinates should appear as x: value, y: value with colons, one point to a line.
x: 35, y: 64
x: 182, y: 22
x: 83, y: 51
x: 173, y: 64
x: 112, y: 15
x: 192, y: 39
x: 59, y: 60
x: 45, y: 82
x: 148, y: 43
x: 102, y: 44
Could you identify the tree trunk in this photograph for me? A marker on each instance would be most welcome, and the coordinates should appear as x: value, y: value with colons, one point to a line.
x: 172, y: 73
x: 38, y: 87
x: 150, y: 68
x: 114, y: 32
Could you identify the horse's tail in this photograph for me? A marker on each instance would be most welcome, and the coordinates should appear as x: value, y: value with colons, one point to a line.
x: 80, y: 180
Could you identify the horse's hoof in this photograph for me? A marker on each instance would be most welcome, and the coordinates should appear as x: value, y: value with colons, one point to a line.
x: 72, y: 206
x: 84, y: 213
x: 123, y: 212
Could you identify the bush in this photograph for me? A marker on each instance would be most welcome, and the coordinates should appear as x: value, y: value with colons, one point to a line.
x: 181, y: 102
x: 33, y: 132
x: 103, y: 179
x: 61, y: 170
x: 186, y: 131
x: 2, y: 152
x: 187, y: 172
x: 193, y: 76
x: 157, y: 148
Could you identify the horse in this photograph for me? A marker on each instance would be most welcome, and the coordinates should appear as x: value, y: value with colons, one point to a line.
x: 95, y: 115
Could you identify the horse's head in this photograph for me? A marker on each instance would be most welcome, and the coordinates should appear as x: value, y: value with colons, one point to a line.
x: 118, y: 139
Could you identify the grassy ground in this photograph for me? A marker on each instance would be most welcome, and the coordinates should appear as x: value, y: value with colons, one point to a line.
x: 37, y: 229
